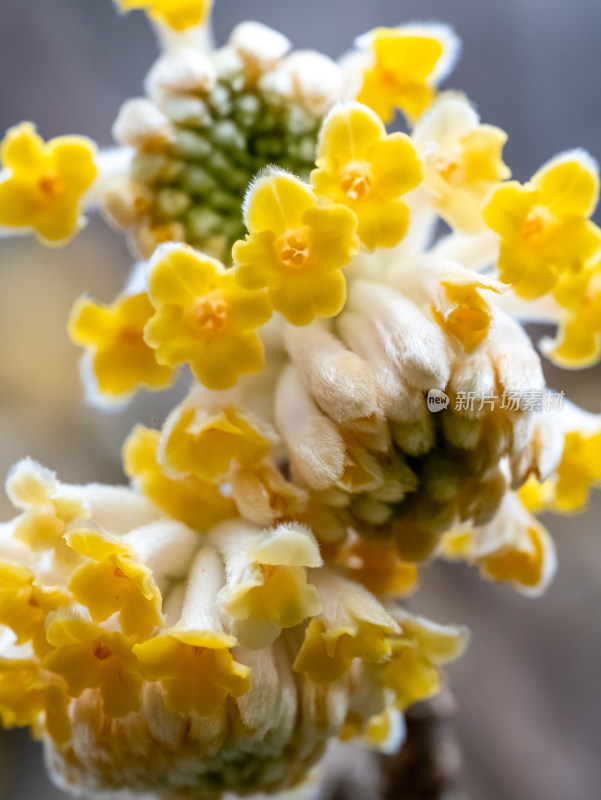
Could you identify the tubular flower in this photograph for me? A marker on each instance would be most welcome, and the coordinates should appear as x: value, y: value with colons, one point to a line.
x: 177, y: 14
x: 188, y: 499
x: 129, y: 588
x: 88, y: 657
x: 46, y: 182
x: 29, y: 695
x: 192, y: 660
x: 352, y: 624
x: 48, y: 508
x: 462, y: 311
x: 359, y: 165
x: 295, y: 247
x: 266, y: 581
x: 203, y: 317
x: 514, y: 548
x: 462, y: 159
x: 406, y: 64
x: 418, y: 652
x: 544, y: 225
x: 119, y: 357
x: 197, y: 442
x: 567, y: 490
x: 25, y: 603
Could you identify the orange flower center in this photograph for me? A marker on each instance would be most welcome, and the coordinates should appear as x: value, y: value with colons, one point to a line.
x: 101, y: 651
x: 210, y: 314
x: 447, y: 168
x: 294, y: 249
x: 131, y: 336
x: 536, y: 226
x: 357, y: 181
x: 51, y: 185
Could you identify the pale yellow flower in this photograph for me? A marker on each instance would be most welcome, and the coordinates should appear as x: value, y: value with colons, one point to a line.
x: 462, y: 160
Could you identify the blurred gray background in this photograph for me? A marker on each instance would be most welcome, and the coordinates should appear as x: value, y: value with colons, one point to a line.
x: 529, y: 688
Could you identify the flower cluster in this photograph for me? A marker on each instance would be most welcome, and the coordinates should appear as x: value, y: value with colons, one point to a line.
x: 215, y: 624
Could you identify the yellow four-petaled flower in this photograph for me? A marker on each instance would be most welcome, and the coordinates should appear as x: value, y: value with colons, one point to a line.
x: 177, y: 14
x: 46, y: 182
x: 296, y: 247
x: 204, y: 317
x: 359, y: 165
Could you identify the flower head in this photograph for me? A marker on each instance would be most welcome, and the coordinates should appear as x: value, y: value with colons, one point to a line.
x: 406, y: 63
x: 46, y: 182
x: 544, y: 225
x: 361, y: 166
x: 295, y: 247
x: 177, y: 14
x: 121, y: 360
x: 204, y: 317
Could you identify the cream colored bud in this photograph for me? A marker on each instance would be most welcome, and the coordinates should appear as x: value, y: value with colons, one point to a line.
x: 142, y: 125
x: 184, y: 71
x: 259, y: 47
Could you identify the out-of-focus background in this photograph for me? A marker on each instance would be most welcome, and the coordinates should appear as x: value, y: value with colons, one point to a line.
x: 529, y: 689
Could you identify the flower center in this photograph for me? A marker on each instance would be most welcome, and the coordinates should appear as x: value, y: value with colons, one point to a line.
x: 131, y: 336
x: 210, y: 313
x: 536, y: 226
x: 357, y: 181
x: 50, y: 185
x: 447, y: 168
x: 293, y: 249
x: 101, y: 651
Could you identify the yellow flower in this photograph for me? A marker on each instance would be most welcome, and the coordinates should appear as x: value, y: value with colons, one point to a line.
x: 514, y: 548
x: 295, y: 247
x: 114, y: 582
x: 462, y: 160
x: 368, y: 171
x: 413, y: 670
x: 578, y: 342
x: 544, y: 226
x: 351, y: 625
x: 567, y: 491
x: 48, y: 508
x: 196, y: 503
x: 25, y: 603
x: 266, y: 588
x: 196, y: 442
x: 461, y: 311
x: 26, y: 694
x: 406, y: 65
x: 177, y: 14
x: 204, y: 317
x: 121, y: 359
x: 88, y: 657
x: 195, y: 668
x: 46, y: 182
